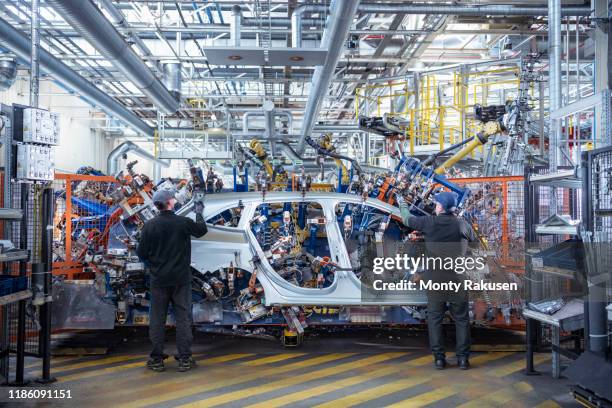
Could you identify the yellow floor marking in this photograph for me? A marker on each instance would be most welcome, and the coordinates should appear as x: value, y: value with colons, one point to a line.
x: 226, y: 381
x: 418, y: 362
x: 421, y: 361
x: 500, y: 397
x: 400, y: 385
x: 123, y: 367
x: 148, y: 380
x: 326, y: 388
x: 485, y: 358
x: 516, y: 366
x: 98, y: 362
x: 271, y: 359
x: 548, y: 404
x: 294, y: 380
x: 348, y: 382
x: 429, y: 397
x: 376, y: 392
x: 54, y: 360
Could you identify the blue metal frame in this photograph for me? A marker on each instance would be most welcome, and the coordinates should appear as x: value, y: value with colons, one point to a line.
x: 414, y: 168
x: 238, y: 187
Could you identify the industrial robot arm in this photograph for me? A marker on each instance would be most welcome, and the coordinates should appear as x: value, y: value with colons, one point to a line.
x: 257, y: 155
x: 325, y: 148
x: 260, y: 152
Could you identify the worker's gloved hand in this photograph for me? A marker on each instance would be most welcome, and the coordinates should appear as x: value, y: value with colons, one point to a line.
x: 198, y: 208
x: 400, y: 199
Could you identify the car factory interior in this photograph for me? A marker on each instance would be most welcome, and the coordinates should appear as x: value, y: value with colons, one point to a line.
x: 220, y: 203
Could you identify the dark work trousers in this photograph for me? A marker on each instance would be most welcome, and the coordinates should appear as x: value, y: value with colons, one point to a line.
x: 180, y: 297
x: 436, y: 306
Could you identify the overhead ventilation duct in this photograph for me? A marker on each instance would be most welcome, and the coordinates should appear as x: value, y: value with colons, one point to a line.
x: 8, y: 71
x: 269, y: 114
x: 338, y: 25
x: 112, y: 162
x: 297, y: 22
x: 172, y: 78
x: 21, y: 45
x: 235, y: 26
x: 471, y: 11
x: 119, y: 19
x: 555, y: 52
x: 87, y: 19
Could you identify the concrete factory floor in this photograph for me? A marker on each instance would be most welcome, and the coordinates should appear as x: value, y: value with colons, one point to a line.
x: 366, y: 369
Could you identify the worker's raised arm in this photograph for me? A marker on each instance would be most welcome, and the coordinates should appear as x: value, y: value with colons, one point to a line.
x: 405, y: 212
x: 410, y: 220
x: 198, y: 227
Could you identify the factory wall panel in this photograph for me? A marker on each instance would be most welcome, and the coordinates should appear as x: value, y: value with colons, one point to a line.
x: 80, y: 145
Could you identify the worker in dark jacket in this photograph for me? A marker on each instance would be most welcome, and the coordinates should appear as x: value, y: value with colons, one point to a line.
x: 165, y: 246
x: 445, y: 236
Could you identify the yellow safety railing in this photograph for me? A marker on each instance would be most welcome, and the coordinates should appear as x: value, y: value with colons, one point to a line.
x: 435, y: 121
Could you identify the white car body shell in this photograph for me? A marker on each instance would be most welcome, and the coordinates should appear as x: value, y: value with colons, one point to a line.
x: 238, y: 245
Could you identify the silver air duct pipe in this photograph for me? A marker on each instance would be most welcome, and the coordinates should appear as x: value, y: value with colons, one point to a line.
x: 87, y: 19
x: 297, y: 20
x: 172, y: 78
x: 235, y: 26
x: 288, y: 151
x: 8, y: 71
x: 338, y: 25
x: 269, y: 113
x: 554, y: 80
x: 118, y: 18
x: 245, y: 119
x: 112, y: 162
x: 34, y: 53
x: 474, y: 11
x: 21, y: 45
x: 289, y: 117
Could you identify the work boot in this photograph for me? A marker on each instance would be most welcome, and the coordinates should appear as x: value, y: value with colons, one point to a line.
x: 463, y: 363
x: 440, y: 364
x: 186, y: 364
x: 156, y: 364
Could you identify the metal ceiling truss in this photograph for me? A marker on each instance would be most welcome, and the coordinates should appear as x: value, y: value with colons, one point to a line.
x: 379, y: 40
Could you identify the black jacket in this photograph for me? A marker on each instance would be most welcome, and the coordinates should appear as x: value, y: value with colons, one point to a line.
x: 446, y: 236
x: 165, y: 246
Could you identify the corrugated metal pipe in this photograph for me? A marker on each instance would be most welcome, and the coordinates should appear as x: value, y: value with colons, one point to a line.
x: 21, y: 45
x: 87, y: 19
